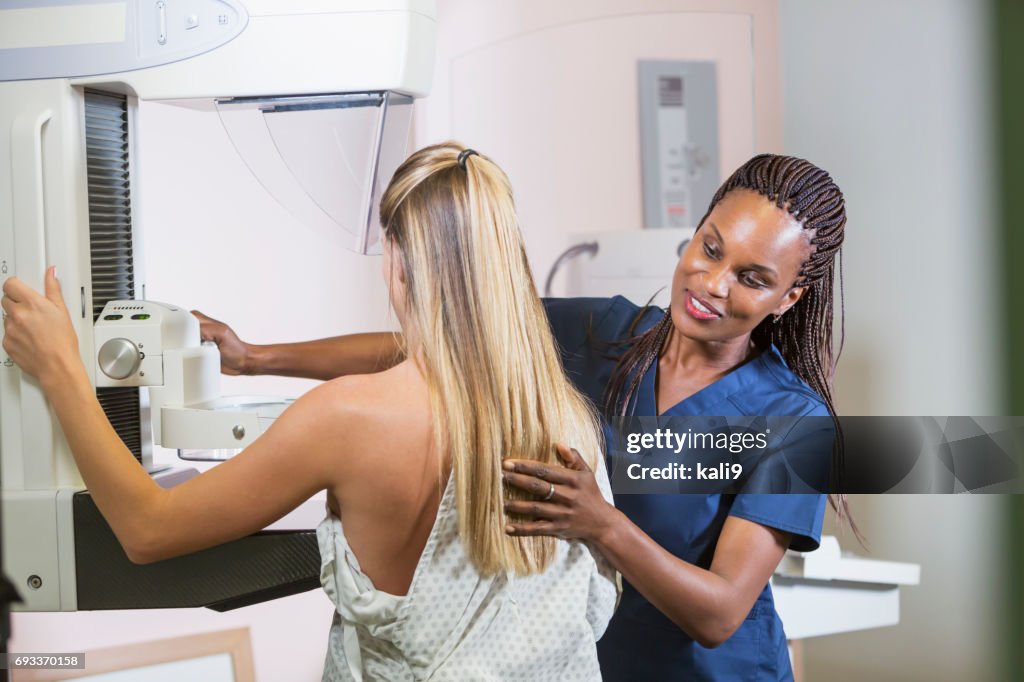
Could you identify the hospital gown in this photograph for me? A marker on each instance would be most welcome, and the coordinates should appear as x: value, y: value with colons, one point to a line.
x: 455, y: 624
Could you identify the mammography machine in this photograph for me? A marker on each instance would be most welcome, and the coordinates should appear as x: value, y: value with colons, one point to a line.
x: 284, y: 77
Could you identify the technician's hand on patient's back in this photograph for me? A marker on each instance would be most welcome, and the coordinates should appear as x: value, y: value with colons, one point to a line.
x: 233, y: 351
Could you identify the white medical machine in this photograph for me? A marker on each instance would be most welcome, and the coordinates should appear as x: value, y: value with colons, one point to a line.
x: 288, y: 79
x: 637, y: 264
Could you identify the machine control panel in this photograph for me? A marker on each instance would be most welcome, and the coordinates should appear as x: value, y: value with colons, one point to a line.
x: 76, y: 38
x: 132, y: 336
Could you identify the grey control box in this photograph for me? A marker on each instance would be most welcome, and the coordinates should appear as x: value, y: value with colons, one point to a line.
x: 678, y: 113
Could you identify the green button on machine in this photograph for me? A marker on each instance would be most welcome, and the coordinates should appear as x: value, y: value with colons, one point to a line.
x: 141, y: 316
x: 112, y: 317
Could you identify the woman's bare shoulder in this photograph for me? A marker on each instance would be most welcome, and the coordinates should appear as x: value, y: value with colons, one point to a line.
x: 361, y: 410
x: 400, y: 387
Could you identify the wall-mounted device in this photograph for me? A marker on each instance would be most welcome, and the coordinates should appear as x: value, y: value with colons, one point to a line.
x: 678, y: 109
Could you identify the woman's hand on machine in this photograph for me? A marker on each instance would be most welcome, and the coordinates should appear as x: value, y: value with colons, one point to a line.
x: 569, y: 502
x: 234, y: 353
x: 38, y: 333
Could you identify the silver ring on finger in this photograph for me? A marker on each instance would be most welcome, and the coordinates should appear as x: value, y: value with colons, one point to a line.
x: 551, y: 492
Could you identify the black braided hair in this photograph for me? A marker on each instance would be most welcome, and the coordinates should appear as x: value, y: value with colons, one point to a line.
x: 804, y: 334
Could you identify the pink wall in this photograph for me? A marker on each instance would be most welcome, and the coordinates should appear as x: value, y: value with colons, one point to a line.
x: 549, y: 90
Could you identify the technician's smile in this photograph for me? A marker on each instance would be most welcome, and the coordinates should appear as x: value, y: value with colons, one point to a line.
x: 700, y: 309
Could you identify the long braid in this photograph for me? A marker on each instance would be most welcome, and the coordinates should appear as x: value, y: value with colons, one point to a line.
x: 804, y: 334
x: 633, y: 365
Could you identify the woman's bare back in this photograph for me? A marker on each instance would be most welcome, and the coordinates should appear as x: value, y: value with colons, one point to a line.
x: 389, y: 495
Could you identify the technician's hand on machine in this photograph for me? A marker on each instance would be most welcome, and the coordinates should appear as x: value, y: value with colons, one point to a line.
x: 38, y: 332
x: 234, y: 353
x: 569, y: 504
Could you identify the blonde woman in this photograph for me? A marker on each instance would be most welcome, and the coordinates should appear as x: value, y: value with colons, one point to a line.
x: 415, y: 556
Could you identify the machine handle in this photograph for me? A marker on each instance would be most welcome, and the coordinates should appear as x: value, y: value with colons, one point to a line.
x: 30, y: 260
x: 29, y: 211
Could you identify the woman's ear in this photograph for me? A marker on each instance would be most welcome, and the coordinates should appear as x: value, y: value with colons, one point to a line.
x: 789, y: 300
x: 394, y: 267
x: 398, y: 264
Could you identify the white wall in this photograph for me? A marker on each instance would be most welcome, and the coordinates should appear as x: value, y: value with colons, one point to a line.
x: 893, y: 99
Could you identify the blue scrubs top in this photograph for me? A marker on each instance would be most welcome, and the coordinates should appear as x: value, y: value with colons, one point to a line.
x: 641, y: 643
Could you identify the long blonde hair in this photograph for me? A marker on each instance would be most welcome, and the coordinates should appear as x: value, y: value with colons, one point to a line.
x: 496, y: 382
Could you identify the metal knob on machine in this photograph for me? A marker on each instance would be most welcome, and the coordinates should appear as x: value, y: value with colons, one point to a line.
x: 119, y: 358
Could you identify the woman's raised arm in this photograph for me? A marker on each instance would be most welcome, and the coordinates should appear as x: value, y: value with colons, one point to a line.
x: 293, y: 460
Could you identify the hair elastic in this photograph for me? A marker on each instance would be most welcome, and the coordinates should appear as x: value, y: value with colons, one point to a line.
x: 465, y: 154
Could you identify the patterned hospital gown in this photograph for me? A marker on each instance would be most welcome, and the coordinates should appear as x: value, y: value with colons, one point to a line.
x: 456, y: 625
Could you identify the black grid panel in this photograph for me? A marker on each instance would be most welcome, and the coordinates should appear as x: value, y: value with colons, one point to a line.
x: 110, y: 237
